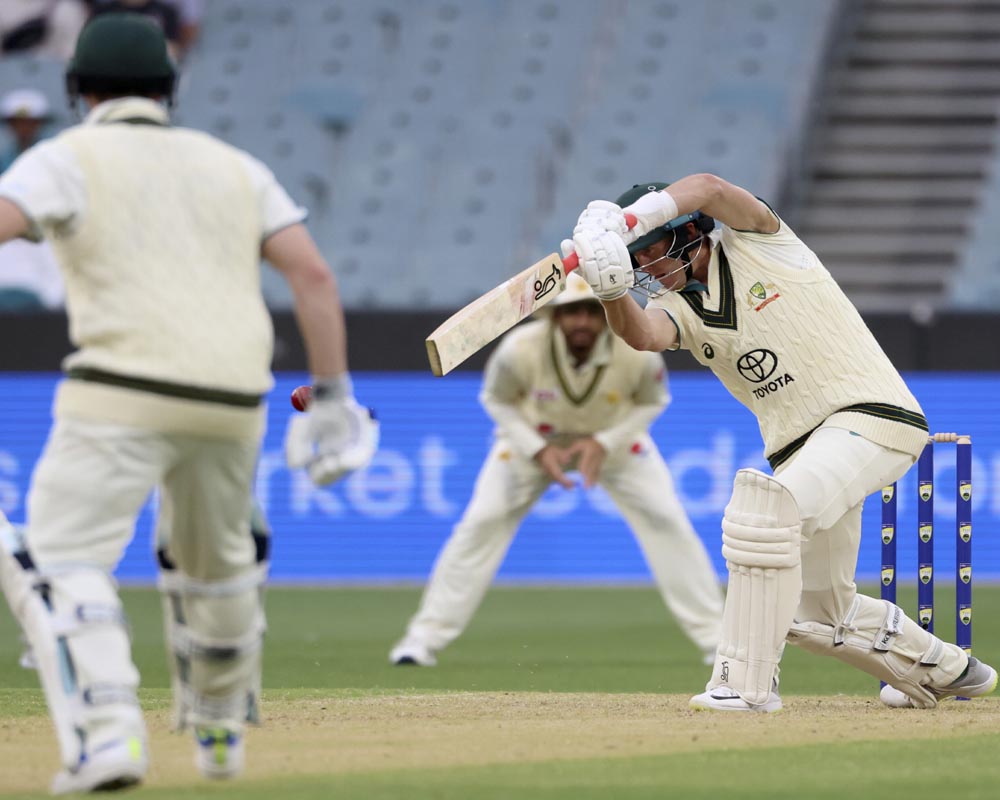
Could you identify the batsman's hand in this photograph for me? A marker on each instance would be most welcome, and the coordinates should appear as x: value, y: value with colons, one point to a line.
x: 334, y: 437
x: 605, y: 262
x: 604, y: 216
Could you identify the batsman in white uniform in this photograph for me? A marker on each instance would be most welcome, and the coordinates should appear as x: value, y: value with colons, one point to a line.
x: 564, y: 393
x: 755, y: 305
x: 159, y: 232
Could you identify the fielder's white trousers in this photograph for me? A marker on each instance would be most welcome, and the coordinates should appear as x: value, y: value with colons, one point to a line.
x: 508, y: 486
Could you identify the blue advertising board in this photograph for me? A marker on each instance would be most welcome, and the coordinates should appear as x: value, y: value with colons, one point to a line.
x: 388, y: 522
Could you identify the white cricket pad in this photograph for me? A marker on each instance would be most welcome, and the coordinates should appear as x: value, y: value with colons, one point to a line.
x: 761, y: 544
x: 878, y: 638
x: 215, y: 635
x: 75, y: 626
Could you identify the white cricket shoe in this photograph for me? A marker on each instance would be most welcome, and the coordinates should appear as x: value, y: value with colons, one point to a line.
x: 723, y: 698
x: 117, y: 765
x: 411, y: 651
x: 979, y: 679
x: 219, y: 752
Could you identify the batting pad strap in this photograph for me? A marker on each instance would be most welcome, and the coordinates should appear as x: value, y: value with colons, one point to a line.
x: 106, y: 694
x: 176, y: 582
x: 85, y: 616
x: 891, y: 627
x: 188, y: 644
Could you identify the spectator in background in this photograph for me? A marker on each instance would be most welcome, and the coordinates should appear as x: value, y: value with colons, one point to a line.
x: 29, y: 275
x: 46, y: 28
x: 25, y: 113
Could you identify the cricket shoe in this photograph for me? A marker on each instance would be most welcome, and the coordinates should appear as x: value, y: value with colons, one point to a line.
x: 979, y: 679
x: 219, y: 752
x: 724, y: 698
x: 410, y: 651
x: 116, y: 765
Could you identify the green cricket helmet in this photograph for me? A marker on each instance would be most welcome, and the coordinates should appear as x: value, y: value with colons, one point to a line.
x: 702, y: 222
x: 683, y: 247
x: 121, y: 54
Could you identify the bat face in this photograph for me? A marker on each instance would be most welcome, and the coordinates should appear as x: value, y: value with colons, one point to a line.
x: 484, y: 319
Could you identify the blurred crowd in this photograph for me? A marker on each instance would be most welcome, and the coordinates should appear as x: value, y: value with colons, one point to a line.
x: 29, y: 277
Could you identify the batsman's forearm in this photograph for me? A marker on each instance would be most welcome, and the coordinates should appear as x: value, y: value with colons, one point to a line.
x: 321, y: 322
x: 629, y: 322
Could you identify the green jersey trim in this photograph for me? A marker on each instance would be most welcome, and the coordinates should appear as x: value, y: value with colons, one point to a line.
x: 178, y: 390
x: 725, y: 317
x: 575, y: 399
x: 880, y: 410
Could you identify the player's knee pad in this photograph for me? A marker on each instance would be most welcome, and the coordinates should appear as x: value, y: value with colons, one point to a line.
x: 878, y: 638
x: 75, y: 626
x: 761, y: 544
x: 214, y: 633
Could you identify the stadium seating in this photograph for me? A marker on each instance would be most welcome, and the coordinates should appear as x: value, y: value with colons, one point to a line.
x: 441, y: 145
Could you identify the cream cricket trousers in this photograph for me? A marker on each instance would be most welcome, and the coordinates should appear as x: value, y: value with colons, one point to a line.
x: 93, y: 479
x: 508, y: 486
x: 830, y: 477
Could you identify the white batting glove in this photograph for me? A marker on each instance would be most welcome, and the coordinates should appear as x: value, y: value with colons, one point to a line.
x: 602, y: 215
x: 604, y: 262
x: 653, y: 210
x: 334, y: 437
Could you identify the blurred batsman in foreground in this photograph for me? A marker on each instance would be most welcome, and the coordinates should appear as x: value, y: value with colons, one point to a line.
x: 755, y: 305
x: 565, y: 394
x: 159, y: 232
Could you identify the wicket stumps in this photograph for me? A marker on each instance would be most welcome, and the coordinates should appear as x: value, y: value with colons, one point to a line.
x: 925, y: 538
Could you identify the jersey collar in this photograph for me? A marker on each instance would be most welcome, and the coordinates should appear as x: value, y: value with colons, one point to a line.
x: 136, y: 110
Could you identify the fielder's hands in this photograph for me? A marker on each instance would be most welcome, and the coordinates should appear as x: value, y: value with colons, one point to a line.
x: 552, y: 459
x: 604, y: 261
x: 334, y: 437
x: 590, y: 454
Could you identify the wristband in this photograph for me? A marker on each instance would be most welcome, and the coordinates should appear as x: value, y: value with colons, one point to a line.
x: 336, y: 388
x: 655, y: 208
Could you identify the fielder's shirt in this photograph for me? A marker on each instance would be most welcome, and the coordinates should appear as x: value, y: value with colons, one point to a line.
x: 535, y: 394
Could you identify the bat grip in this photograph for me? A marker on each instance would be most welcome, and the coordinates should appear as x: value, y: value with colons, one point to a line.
x: 572, y: 261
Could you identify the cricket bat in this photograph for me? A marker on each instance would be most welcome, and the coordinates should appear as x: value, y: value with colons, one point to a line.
x: 470, y: 329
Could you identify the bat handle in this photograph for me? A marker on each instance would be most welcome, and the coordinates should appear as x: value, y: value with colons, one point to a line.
x: 572, y: 261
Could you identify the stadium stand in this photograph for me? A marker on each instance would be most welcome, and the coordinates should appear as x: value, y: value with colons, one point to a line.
x: 902, y: 153
x: 462, y: 138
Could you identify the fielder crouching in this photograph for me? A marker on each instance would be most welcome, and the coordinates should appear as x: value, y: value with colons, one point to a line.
x: 159, y: 232
x: 755, y: 305
x: 566, y: 394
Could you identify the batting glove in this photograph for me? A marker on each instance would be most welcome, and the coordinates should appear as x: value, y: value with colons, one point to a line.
x: 604, y: 216
x: 604, y: 262
x: 334, y: 437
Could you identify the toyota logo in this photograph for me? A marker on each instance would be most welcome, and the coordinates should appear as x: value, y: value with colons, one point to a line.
x: 757, y: 365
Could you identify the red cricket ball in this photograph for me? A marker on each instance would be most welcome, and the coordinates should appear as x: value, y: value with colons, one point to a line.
x: 301, y: 398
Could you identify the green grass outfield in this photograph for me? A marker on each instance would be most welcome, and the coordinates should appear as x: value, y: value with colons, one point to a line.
x: 327, y: 649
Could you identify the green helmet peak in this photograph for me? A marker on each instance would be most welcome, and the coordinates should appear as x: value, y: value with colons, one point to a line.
x: 121, y: 54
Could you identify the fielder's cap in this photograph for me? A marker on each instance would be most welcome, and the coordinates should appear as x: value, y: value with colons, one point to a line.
x: 24, y: 104
x: 577, y: 291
